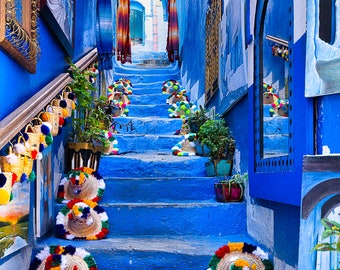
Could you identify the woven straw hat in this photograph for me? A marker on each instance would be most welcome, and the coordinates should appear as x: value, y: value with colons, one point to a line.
x: 66, y: 257
x: 229, y: 259
x: 82, y: 219
x: 82, y: 183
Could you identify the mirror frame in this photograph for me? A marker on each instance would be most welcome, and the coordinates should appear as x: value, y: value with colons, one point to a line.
x: 19, y: 40
x: 284, y: 163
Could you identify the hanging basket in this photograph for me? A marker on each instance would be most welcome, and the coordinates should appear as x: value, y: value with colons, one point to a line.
x: 12, y: 163
x: 53, y: 118
x: 82, y: 155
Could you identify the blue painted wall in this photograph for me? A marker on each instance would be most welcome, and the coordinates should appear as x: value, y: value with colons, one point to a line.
x: 191, y: 15
x: 18, y: 85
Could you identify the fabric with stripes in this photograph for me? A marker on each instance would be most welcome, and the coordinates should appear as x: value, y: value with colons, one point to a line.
x: 172, y: 46
x: 104, y: 34
x: 123, y: 32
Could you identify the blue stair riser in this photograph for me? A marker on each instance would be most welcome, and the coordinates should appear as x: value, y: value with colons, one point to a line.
x: 172, y: 219
x: 276, y: 143
x: 147, y: 125
x: 160, y: 110
x: 175, y: 219
x: 170, y: 71
x: 147, y: 88
x: 141, y: 143
x: 159, y: 190
x: 157, y: 166
x: 148, y: 77
x: 142, y: 260
x: 152, y: 99
x: 275, y: 125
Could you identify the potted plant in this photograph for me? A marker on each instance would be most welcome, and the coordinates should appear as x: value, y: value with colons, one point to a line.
x: 215, y: 134
x: 90, y: 118
x: 230, y: 189
x: 195, y: 120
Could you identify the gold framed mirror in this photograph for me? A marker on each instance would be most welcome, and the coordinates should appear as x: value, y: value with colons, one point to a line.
x: 18, y: 31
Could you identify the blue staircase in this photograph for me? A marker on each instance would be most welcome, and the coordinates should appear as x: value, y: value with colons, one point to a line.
x: 162, y: 209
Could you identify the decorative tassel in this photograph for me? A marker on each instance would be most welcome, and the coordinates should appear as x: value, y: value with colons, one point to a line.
x: 12, y: 159
x: 71, y: 96
x: 32, y: 176
x: 61, y: 121
x: 60, y: 130
x: 19, y: 148
x: 23, y: 178
x: 3, y: 180
x: 39, y: 156
x: 64, y: 112
x: 46, y: 128
x: 34, y: 154
x: 41, y: 148
x: 26, y: 137
x: 45, y: 116
x: 63, y: 103
x: 49, y: 139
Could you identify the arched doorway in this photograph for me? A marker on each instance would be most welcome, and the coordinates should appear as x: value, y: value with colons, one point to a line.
x: 137, y: 23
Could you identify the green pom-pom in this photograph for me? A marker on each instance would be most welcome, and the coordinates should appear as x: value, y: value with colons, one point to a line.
x: 32, y: 176
x: 49, y: 139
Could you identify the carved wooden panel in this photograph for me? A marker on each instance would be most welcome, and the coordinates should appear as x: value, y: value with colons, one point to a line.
x: 213, y: 19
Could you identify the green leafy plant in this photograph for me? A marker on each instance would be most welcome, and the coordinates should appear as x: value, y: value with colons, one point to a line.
x: 197, y: 118
x: 332, y: 228
x: 90, y: 116
x: 215, y: 134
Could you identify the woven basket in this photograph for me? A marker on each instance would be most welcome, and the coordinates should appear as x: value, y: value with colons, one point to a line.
x: 64, y: 96
x: 17, y: 168
x: 228, y: 260
x: 33, y: 137
x: 53, y: 119
x: 56, y: 107
x: 36, y: 126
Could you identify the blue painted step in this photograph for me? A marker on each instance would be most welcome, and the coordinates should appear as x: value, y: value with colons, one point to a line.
x: 140, y: 76
x: 147, y: 125
x: 151, y: 252
x: 161, y: 110
x: 168, y: 189
x: 157, y: 98
x: 151, y: 165
x: 175, y: 219
x: 139, y: 143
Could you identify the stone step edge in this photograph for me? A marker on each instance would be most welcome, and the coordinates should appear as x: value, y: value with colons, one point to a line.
x: 175, y: 204
x: 189, y: 244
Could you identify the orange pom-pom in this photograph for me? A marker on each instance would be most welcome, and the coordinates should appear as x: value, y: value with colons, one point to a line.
x: 45, y: 117
x: 65, y: 113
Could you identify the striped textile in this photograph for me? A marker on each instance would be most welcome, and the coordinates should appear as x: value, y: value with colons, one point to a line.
x: 104, y: 34
x: 172, y: 39
x: 123, y: 32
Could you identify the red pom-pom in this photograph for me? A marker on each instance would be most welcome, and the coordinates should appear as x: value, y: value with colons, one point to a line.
x: 61, y: 121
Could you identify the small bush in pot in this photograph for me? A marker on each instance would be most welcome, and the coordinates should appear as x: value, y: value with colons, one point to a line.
x: 215, y: 134
x: 231, y: 189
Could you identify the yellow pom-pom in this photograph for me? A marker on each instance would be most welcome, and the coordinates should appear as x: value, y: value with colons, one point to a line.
x: 73, y: 105
x: 4, y: 196
x: 64, y: 112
